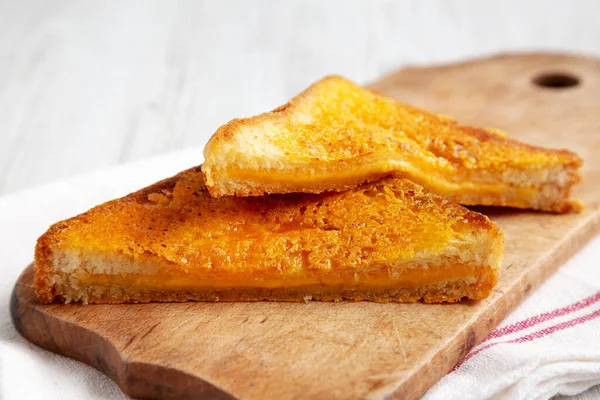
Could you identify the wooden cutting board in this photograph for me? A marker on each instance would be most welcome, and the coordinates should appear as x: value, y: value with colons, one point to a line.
x: 354, y: 350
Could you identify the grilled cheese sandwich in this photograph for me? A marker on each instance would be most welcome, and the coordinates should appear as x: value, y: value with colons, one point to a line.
x: 337, y: 135
x: 383, y: 241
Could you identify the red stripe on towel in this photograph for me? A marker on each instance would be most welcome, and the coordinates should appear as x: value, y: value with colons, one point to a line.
x: 537, y: 319
x: 536, y: 335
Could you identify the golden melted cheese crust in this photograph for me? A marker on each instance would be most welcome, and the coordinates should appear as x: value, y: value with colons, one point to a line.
x: 174, y: 232
x: 337, y: 134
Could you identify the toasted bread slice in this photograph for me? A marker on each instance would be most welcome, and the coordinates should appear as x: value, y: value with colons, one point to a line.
x: 383, y: 241
x: 336, y: 135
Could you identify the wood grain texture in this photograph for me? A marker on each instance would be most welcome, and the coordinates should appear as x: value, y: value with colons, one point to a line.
x: 352, y: 350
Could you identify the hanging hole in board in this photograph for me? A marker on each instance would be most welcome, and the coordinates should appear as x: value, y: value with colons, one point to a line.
x: 556, y: 80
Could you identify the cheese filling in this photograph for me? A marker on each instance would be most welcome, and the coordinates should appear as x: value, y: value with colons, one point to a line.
x: 409, y: 278
x: 428, y: 179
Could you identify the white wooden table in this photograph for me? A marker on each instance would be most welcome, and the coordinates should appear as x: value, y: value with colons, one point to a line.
x: 87, y: 85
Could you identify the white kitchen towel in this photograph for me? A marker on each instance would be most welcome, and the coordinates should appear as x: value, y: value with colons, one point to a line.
x: 549, y: 345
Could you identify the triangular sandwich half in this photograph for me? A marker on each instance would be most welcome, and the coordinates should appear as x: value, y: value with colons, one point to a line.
x: 384, y: 241
x: 336, y: 135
